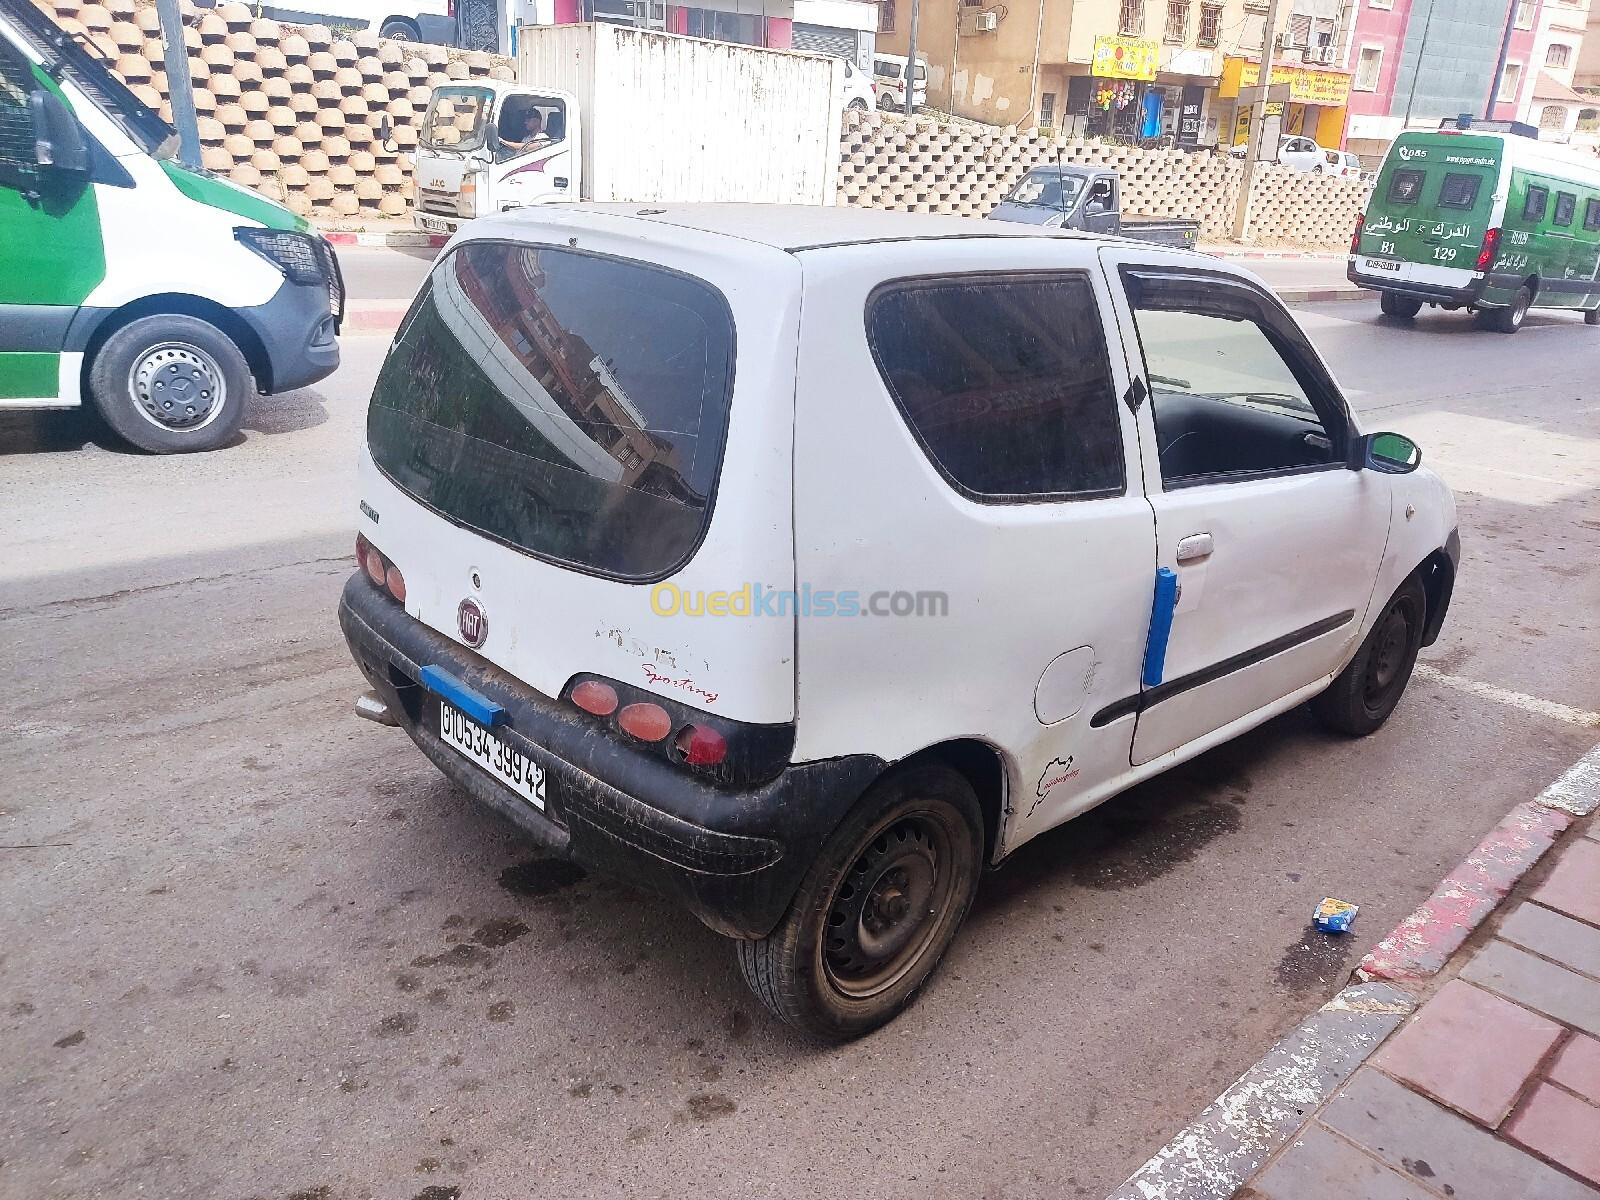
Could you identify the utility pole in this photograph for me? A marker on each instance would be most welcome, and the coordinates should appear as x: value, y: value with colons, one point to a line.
x: 1500, y: 67
x: 911, y: 59
x: 175, y: 55
x: 1258, y: 121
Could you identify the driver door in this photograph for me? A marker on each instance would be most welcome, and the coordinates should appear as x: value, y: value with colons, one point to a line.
x: 1275, y: 542
x: 51, y: 250
x: 1100, y: 205
x: 548, y: 172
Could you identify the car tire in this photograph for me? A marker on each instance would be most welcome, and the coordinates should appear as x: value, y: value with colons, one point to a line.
x: 886, y: 102
x: 398, y: 29
x: 1592, y: 316
x: 1361, y: 697
x: 877, y: 909
x: 858, y: 104
x: 1395, y: 305
x: 171, y: 384
x: 1510, y: 318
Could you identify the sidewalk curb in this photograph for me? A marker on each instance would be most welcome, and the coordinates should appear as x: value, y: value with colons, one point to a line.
x: 1422, y: 943
x: 1277, y: 255
x: 1322, y: 295
x: 1233, y: 1138
x: 1266, y: 1106
x: 396, y: 238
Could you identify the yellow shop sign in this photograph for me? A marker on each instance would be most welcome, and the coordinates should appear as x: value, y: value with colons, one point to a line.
x: 1328, y: 88
x: 1124, y: 58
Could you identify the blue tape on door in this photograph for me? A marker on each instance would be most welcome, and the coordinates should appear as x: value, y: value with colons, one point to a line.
x: 1155, y: 646
x: 470, y: 701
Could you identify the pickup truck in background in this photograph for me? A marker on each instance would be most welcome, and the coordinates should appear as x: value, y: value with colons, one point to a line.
x: 1086, y: 198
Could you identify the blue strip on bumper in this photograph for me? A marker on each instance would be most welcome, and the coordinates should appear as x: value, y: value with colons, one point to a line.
x: 470, y: 701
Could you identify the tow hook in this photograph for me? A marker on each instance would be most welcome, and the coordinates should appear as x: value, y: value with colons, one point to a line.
x: 369, y: 706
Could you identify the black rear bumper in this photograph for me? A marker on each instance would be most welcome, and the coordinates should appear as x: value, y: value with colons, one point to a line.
x: 1465, y: 297
x: 733, y: 857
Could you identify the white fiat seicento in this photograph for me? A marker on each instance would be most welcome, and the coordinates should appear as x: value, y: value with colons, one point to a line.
x: 796, y: 563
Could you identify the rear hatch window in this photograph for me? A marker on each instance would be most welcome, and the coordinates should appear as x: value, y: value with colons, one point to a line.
x: 572, y: 406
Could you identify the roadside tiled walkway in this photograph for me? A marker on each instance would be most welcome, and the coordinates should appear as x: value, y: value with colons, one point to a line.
x: 1491, y: 1091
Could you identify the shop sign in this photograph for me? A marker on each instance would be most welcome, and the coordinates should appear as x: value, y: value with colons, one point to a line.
x: 1124, y: 58
x: 1331, y: 88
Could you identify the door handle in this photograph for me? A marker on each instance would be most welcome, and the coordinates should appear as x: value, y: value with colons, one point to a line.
x: 1195, y: 547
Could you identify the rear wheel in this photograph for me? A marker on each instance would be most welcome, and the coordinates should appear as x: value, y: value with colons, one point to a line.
x: 858, y: 104
x: 171, y: 384
x: 397, y: 29
x: 1396, y: 305
x: 1510, y: 318
x: 877, y: 910
x: 1362, y: 696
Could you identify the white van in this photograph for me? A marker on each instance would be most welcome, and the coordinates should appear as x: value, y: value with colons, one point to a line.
x: 159, y: 293
x: 798, y: 562
x: 888, y: 72
x: 398, y: 20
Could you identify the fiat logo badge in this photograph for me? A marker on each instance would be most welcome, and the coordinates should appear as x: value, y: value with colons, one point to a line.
x: 473, y: 622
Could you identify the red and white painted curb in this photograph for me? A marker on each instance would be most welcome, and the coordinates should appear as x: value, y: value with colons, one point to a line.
x: 393, y: 238
x: 1243, y: 1128
x: 1422, y: 943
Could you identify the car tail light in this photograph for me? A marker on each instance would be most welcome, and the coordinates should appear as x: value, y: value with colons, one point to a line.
x: 1491, y: 243
x: 595, y: 697
x: 701, y: 746
x: 379, y: 569
x: 1355, y: 238
x: 645, y: 721
x: 396, y: 583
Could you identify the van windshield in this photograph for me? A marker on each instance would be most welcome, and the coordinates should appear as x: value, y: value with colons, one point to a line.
x: 1047, y: 189
x: 569, y: 405
x: 457, y: 118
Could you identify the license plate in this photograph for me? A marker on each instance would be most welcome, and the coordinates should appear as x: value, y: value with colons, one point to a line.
x: 517, y: 771
x: 434, y: 224
x: 1381, y: 264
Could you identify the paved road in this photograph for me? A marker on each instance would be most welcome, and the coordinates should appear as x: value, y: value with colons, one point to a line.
x: 376, y: 273
x: 254, y: 947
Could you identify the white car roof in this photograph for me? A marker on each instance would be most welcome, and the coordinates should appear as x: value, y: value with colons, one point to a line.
x: 788, y: 227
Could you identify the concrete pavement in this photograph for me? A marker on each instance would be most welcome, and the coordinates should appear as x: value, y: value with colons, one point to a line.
x: 301, y: 965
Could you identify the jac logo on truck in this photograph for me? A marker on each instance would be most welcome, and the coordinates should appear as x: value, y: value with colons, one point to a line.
x: 1407, y: 153
x: 473, y: 622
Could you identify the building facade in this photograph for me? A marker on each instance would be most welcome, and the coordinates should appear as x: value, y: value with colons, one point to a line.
x: 844, y: 28
x: 1163, y: 71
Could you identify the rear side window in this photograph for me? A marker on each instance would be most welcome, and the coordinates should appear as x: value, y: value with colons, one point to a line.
x: 1566, y: 208
x: 16, y: 124
x: 1005, y: 381
x: 1405, y: 187
x: 569, y: 405
x: 1459, y: 191
x: 1591, y: 215
x: 1537, y: 201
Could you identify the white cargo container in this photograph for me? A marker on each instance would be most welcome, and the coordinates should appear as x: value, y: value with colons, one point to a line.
x: 609, y: 112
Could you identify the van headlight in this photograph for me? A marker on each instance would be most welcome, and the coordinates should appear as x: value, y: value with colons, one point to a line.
x: 295, y: 254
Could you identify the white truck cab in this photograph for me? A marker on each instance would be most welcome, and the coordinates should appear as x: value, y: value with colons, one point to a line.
x: 797, y: 562
x: 491, y: 146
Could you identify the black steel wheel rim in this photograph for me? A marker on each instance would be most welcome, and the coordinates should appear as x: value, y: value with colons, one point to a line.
x: 1391, y: 647
x: 889, y: 905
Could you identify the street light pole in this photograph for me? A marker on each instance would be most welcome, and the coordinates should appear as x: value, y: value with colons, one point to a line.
x: 1258, y: 121
x: 175, y: 57
x: 911, y: 59
x: 1500, y: 67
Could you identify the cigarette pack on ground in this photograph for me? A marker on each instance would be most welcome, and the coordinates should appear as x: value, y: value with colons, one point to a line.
x: 1334, y: 916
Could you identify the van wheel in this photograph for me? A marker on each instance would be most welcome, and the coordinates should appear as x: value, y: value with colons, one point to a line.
x: 1395, y: 305
x: 1362, y: 696
x: 877, y: 910
x: 397, y: 29
x: 1509, y: 319
x: 857, y: 105
x: 170, y: 384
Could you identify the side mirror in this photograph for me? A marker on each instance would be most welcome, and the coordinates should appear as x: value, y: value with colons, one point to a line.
x: 1389, y: 453
x: 58, y: 140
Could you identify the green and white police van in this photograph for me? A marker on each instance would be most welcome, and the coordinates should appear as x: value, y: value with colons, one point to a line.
x: 160, y: 294
x: 1486, y: 219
